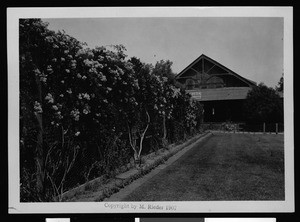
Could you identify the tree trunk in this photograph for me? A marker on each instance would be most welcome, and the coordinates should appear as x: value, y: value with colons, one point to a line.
x: 39, y: 146
x: 143, y: 135
x: 40, y: 156
x: 164, y: 139
x: 137, y: 160
x: 132, y: 142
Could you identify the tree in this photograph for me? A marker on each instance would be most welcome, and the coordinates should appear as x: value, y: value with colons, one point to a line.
x: 279, y: 86
x: 83, y: 110
x: 46, y: 60
x: 166, y: 76
x: 263, y: 104
x: 164, y: 69
x: 146, y: 101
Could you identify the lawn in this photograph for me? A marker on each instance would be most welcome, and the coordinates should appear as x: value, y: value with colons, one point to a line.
x: 225, y: 167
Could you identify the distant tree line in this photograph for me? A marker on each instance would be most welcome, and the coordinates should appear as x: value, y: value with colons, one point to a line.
x: 84, y: 112
x: 264, y: 104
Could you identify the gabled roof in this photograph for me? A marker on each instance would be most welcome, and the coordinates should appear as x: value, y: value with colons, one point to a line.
x: 230, y: 72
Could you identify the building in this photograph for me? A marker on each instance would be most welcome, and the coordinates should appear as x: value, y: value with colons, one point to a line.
x: 219, y: 89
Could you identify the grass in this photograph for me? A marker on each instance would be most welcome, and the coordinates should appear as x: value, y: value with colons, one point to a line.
x: 226, y: 167
x: 100, y: 188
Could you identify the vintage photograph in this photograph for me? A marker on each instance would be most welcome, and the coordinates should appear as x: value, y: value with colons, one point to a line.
x: 161, y: 109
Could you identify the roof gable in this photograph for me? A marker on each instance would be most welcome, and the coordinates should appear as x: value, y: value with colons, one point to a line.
x: 204, y: 65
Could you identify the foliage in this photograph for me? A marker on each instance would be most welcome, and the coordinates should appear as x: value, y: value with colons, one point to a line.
x: 279, y: 86
x: 84, y: 112
x: 263, y: 104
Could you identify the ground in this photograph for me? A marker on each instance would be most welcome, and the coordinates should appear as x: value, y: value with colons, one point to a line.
x: 227, y: 166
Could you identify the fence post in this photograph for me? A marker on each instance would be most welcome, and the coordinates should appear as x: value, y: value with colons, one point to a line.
x: 264, y: 128
x: 276, y: 128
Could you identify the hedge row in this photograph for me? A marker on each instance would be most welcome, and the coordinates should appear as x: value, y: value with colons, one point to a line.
x: 84, y: 112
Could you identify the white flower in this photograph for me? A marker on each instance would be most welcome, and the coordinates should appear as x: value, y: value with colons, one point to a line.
x: 69, y: 91
x: 77, y: 133
x: 75, y: 113
x: 86, y: 96
x: 49, y: 39
x: 99, y: 66
x: 37, y: 72
x: 49, y: 68
x: 101, y: 58
x: 49, y: 98
x: 54, y: 107
x: 86, y: 110
x: 38, y: 107
x: 88, y: 62
x: 43, y: 79
x: 121, y: 72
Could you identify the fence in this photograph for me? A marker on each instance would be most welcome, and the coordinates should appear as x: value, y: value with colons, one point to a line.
x: 262, y: 127
x: 245, y: 127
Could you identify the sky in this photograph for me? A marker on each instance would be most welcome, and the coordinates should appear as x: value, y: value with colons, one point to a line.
x: 250, y: 46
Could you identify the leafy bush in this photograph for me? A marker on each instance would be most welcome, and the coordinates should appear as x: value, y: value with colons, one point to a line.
x: 263, y: 104
x: 85, y: 112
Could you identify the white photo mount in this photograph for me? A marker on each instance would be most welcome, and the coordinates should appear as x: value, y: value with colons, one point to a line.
x: 15, y: 206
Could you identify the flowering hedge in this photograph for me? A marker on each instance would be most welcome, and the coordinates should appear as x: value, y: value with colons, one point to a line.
x: 85, y: 112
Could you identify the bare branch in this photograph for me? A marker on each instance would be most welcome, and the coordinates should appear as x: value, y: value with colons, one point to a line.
x: 143, y: 135
x: 132, y: 144
x: 47, y: 156
x: 54, y: 187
